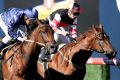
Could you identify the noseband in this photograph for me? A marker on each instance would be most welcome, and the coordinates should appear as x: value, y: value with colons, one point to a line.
x: 45, y: 38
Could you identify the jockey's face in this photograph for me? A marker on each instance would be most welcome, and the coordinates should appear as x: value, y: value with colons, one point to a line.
x: 72, y: 14
x: 28, y: 21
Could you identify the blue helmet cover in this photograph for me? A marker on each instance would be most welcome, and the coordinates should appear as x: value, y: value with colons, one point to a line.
x: 31, y: 13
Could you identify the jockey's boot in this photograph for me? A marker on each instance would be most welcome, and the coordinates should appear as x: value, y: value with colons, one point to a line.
x: 2, y: 45
x: 44, y: 55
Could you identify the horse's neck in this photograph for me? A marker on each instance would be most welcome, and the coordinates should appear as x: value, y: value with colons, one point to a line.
x: 82, y: 44
x: 30, y: 45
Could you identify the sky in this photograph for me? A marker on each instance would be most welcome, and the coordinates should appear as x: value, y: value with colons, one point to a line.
x: 110, y: 18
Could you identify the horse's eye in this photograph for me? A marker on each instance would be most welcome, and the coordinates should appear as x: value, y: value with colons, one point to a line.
x: 101, y: 39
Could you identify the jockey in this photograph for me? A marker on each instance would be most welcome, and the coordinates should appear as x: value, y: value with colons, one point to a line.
x: 15, y: 17
x: 59, y: 20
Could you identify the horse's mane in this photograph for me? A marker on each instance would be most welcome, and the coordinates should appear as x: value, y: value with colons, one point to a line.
x: 85, y: 34
x: 81, y: 37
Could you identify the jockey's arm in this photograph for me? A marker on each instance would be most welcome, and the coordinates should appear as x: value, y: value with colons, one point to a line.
x: 11, y: 26
x: 73, y: 29
x: 11, y: 32
x: 55, y: 22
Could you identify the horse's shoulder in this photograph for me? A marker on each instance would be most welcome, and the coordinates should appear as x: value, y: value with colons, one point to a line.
x: 61, y: 45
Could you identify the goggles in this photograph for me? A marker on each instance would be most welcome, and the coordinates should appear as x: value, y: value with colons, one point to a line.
x: 76, y: 13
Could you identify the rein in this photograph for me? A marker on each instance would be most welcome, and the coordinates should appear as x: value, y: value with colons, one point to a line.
x: 12, y: 54
x: 35, y: 42
x: 69, y: 61
x: 64, y: 57
x: 20, y: 46
x: 100, y: 41
x: 22, y: 43
x: 27, y: 41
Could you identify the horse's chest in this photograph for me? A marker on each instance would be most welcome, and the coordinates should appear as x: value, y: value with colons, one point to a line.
x: 67, y: 70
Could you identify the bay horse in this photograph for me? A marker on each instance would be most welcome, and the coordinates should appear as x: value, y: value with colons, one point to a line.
x: 69, y: 63
x: 16, y: 59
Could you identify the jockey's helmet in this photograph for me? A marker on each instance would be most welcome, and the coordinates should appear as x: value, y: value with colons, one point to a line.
x: 31, y: 13
x: 75, y: 9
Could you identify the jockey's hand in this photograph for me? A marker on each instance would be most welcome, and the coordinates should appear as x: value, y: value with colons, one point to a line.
x: 71, y: 39
x: 65, y: 33
x: 22, y: 39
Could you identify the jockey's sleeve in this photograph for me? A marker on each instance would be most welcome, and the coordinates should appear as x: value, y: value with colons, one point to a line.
x: 55, y: 22
x: 11, y: 26
x: 73, y: 29
x: 11, y: 33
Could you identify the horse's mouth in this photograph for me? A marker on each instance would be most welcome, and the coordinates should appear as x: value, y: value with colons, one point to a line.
x: 111, y: 55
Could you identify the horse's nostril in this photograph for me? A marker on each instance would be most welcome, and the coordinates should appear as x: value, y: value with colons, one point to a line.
x: 111, y: 54
x: 52, y: 46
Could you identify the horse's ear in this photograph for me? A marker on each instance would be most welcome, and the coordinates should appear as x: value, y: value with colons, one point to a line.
x: 100, y: 26
x: 93, y: 26
x: 39, y: 23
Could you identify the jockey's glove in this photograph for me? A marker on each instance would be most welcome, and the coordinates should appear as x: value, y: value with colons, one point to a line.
x: 21, y: 39
x: 65, y: 33
x: 71, y: 39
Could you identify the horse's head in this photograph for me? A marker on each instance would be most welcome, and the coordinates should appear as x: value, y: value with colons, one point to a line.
x: 45, y: 35
x: 101, y: 42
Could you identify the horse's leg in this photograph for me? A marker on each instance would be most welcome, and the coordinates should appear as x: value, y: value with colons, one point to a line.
x: 82, y: 73
x: 40, y: 71
x: 11, y: 71
x: 79, y: 74
x: 17, y: 77
x: 13, y: 77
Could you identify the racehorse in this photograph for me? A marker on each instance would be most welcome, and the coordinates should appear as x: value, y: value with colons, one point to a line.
x: 69, y: 63
x: 17, y: 58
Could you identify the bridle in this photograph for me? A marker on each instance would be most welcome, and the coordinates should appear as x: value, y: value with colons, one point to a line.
x: 99, y: 38
x: 100, y: 42
x: 44, y: 38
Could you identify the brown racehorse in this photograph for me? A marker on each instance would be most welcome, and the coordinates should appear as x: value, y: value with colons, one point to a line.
x: 15, y: 66
x: 69, y: 62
